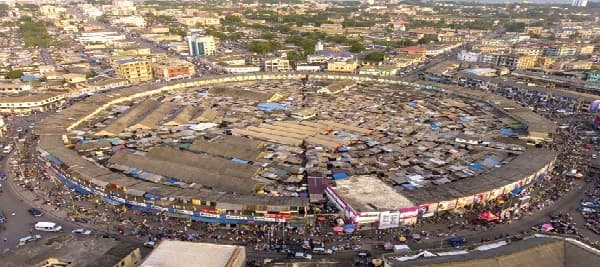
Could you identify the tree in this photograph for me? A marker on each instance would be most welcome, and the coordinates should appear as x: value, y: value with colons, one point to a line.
x: 13, y: 74
x: 426, y: 40
x: 514, y: 27
x: 356, y: 46
x: 375, y: 56
x: 268, y: 35
x: 263, y: 47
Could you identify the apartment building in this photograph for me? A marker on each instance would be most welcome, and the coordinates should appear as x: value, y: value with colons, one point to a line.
x: 276, y: 64
x: 173, y: 69
x: 133, y: 69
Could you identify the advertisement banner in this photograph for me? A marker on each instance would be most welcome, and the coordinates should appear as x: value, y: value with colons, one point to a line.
x: 447, y: 205
x: 427, y: 210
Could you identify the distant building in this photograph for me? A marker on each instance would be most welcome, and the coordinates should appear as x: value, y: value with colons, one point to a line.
x: 134, y: 70
x: 342, y: 65
x: 276, y: 64
x: 188, y: 254
x: 173, y: 69
x: 201, y: 45
x: 580, y: 3
x: 468, y: 56
x: 15, y: 87
x: 413, y: 50
x: 593, y: 76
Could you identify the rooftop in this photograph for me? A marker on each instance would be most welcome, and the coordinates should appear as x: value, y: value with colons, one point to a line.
x: 367, y: 193
x: 183, y: 254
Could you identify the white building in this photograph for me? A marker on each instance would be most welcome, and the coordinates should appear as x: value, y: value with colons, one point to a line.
x: 580, y: 3
x: 137, y: 21
x: 468, y: 56
x: 201, y: 45
x: 105, y: 37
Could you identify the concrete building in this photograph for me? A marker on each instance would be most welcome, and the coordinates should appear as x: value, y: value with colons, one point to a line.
x: 201, y: 45
x: 468, y: 56
x: 188, y: 254
x: 579, y: 3
x: 103, y: 37
x: 137, y: 21
x: 31, y: 103
x: 134, y: 70
x: 173, y: 69
x: 342, y: 65
x: 9, y: 87
x: 276, y: 64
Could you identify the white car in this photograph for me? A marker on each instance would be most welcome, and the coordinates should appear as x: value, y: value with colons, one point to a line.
x: 82, y: 231
x: 28, y: 239
x: 150, y: 244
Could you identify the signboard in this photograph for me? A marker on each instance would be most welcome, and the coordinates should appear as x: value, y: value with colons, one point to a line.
x: 389, y: 219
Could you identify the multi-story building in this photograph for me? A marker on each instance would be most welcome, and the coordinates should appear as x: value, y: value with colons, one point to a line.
x: 545, y: 62
x: 413, y: 50
x: 491, y: 59
x: 103, y: 37
x: 137, y: 21
x: 52, y: 11
x: 276, y: 64
x: 133, y: 69
x: 587, y: 49
x: 468, y: 56
x: 534, y: 29
x: 579, y: 3
x: 593, y: 76
x: 342, y: 65
x: 201, y: 45
x: 31, y: 103
x: 173, y: 69
x: 525, y: 62
x: 577, y: 65
x: 14, y: 87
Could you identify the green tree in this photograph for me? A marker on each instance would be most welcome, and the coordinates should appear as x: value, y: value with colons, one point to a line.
x: 426, y: 40
x: 263, y: 46
x: 268, y: 35
x: 356, y: 46
x: 375, y: 56
x: 13, y: 74
x: 34, y: 33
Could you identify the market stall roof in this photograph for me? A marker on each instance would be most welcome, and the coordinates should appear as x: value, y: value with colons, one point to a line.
x: 135, y: 114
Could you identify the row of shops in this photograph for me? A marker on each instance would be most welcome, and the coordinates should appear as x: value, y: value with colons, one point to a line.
x: 383, y: 219
x: 53, y: 167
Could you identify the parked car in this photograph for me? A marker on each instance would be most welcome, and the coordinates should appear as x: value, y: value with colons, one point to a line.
x: 456, y: 242
x: 82, y: 231
x: 584, y: 209
x: 302, y: 255
x: 2, y: 217
x: 35, y: 212
x: 150, y: 244
x: 27, y: 239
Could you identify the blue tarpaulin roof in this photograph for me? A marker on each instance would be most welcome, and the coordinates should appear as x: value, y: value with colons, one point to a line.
x: 507, y: 132
x: 433, y: 126
x: 339, y: 176
x: 475, y: 166
x: 30, y: 77
x: 490, y: 162
x: 412, y: 104
x: 268, y: 107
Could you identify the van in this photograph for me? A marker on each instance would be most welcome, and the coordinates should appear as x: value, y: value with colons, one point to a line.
x: 48, y: 227
x: 7, y: 149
